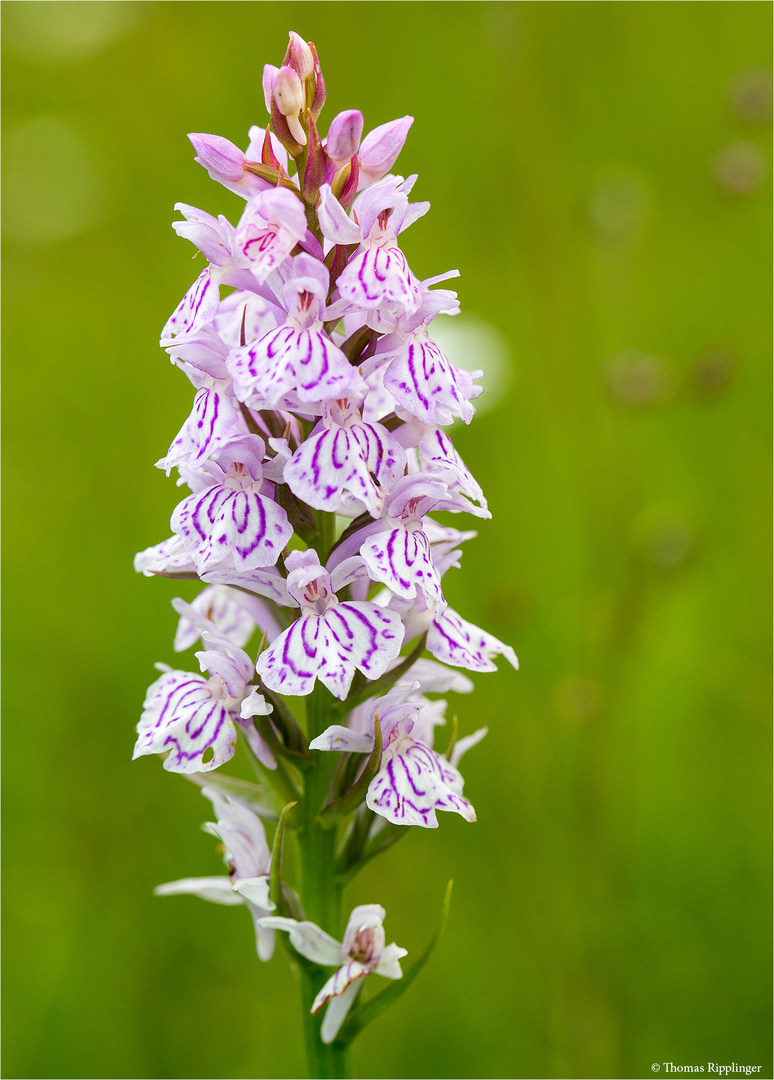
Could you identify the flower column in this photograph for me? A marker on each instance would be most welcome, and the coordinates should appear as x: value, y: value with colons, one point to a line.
x: 314, y: 456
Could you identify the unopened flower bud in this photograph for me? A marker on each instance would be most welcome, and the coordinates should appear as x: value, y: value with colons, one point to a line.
x: 345, y: 183
x: 318, y: 99
x: 221, y: 159
x: 380, y: 149
x: 344, y: 136
x: 269, y: 75
x: 288, y: 91
x: 299, y: 56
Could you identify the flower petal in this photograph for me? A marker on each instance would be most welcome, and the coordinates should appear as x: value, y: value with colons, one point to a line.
x: 336, y: 1013
x: 413, y: 783
x: 308, y: 939
x: 181, y: 715
x: 216, y: 889
x: 454, y: 641
x: 197, y: 308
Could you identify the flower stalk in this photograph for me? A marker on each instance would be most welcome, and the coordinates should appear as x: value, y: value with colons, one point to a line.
x: 315, y: 456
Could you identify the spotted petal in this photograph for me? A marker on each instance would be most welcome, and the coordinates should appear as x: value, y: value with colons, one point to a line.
x: 340, y: 462
x: 379, y: 275
x: 454, y: 641
x: 182, y: 715
x: 330, y: 647
x: 400, y: 558
x: 214, y: 419
x: 244, y: 525
x: 424, y: 383
x: 197, y: 308
x: 288, y: 359
x: 413, y: 783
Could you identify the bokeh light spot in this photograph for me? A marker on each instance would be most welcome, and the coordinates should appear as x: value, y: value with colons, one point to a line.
x: 751, y: 96
x: 473, y: 344
x: 740, y: 168
x: 637, y: 380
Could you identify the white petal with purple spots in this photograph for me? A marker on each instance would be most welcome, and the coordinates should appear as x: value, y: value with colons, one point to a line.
x: 186, y: 715
x: 329, y: 647
x: 413, y: 783
x: 454, y: 641
x: 304, y: 360
x: 400, y: 558
x: 424, y: 383
x: 197, y: 308
x: 345, y: 461
x: 218, y: 523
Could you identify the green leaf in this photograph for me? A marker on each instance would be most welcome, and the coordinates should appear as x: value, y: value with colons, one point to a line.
x: 348, y: 802
x: 275, y: 877
x: 381, y: 1001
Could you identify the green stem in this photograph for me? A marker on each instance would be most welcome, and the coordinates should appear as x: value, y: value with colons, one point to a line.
x: 320, y: 890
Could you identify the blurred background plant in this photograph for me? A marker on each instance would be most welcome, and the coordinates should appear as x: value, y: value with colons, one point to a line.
x: 600, y: 173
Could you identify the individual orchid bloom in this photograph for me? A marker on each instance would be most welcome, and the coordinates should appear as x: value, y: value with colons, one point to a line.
x: 413, y: 781
x: 343, y: 462
x: 234, y: 612
x: 363, y: 952
x: 378, y: 273
x: 298, y: 355
x: 417, y: 374
x: 270, y: 227
x: 195, y: 718
x: 230, y: 518
x: 248, y: 859
x: 398, y: 553
x: 331, y: 639
x: 272, y: 223
x: 284, y: 86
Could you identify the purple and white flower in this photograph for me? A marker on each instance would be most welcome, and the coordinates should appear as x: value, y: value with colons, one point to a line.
x: 229, y: 517
x: 332, y: 639
x: 345, y: 461
x: 363, y: 952
x: 194, y: 719
x: 248, y: 859
x: 378, y: 274
x: 413, y: 781
x: 298, y: 355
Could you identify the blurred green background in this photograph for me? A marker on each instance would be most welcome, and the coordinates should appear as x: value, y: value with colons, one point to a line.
x: 599, y: 172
